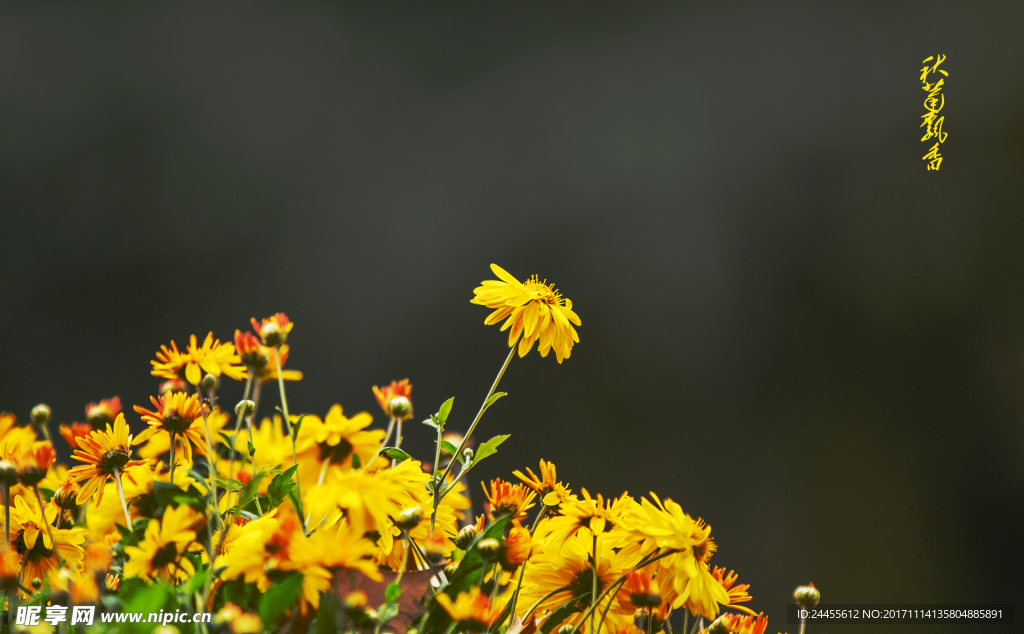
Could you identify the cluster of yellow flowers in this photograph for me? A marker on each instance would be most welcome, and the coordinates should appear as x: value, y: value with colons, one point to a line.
x: 299, y: 523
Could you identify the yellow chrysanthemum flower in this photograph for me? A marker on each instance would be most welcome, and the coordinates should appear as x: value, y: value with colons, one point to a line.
x: 328, y: 551
x: 159, y: 554
x: 589, y: 515
x: 31, y: 540
x: 506, y: 497
x: 333, y: 441
x: 569, y: 570
x: 195, y: 436
x: 533, y: 309
x: 175, y: 413
x: 473, y: 610
x: 104, y: 453
x: 103, y: 518
x: 12, y: 436
x: 547, y: 486
x: 212, y: 357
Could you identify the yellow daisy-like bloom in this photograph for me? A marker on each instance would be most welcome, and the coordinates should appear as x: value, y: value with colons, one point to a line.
x: 195, y: 435
x: 104, y: 453
x: 328, y: 551
x: 333, y: 441
x: 569, y: 567
x: 589, y: 515
x: 175, y: 413
x: 438, y: 545
x: 103, y: 518
x: 11, y: 436
x: 213, y: 357
x: 684, y: 576
x: 547, y: 486
x: 31, y: 540
x: 533, y: 309
x: 472, y: 610
x: 273, y: 447
x: 159, y: 554
x: 506, y: 497
x: 737, y: 593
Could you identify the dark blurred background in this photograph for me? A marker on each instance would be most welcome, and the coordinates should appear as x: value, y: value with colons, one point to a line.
x: 789, y: 325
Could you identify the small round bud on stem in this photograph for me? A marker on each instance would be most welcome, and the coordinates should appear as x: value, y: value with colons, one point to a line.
x: 467, y: 455
x: 807, y: 595
x: 399, y: 407
x: 41, y: 414
x: 66, y: 497
x: 465, y: 537
x: 409, y: 518
x: 37, y: 583
x: 8, y: 473
x: 245, y: 408
x: 209, y: 383
x: 451, y: 568
x: 489, y: 548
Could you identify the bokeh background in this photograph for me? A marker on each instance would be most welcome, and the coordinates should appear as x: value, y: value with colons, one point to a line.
x: 789, y: 325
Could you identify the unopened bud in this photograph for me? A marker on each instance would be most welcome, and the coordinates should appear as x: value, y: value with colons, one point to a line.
x: 209, y: 383
x: 8, y: 473
x: 245, y: 408
x: 565, y: 629
x: 37, y: 583
x: 489, y: 548
x: 41, y: 414
x: 400, y: 407
x: 409, y: 518
x: 172, y: 385
x: 465, y: 537
x: 719, y: 626
x: 451, y: 568
x: 66, y: 497
x: 467, y: 454
x: 807, y: 595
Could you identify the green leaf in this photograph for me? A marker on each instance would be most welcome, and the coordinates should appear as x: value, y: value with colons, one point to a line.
x: 494, y: 397
x: 252, y: 450
x: 251, y: 489
x: 279, y: 597
x: 393, y: 593
x: 148, y: 598
x: 293, y: 497
x: 387, y: 612
x: 357, y: 462
x: 431, y: 422
x: 396, y: 454
x: 442, y: 414
x: 228, y: 440
x: 197, y: 581
x: 450, y: 448
x: 488, y: 448
x: 297, y: 425
x: 326, y: 616
x: 279, y: 487
x: 562, y: 613
x: 230, y: 484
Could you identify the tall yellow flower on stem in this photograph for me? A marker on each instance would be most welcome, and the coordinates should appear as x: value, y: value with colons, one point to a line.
x: 533, y: 309
x: 106, y: 454
x: 41, y: 547
x: 175, y: 413
x: 213, y: 357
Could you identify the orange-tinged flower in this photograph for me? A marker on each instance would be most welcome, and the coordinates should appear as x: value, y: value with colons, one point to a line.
x: 506, y: 497
x: 592, y: 515
x: 273, y: 331
x: 533, y: 309
x: 30, y: 538
x: 101, y: 414
x: 641, y: 590
x: 213, y: 357
x: 518, y: 546
x: 106, y: 454
x: 12, y: 436
x: 194, y: 437
x: 33, y: 461
x: 9, y: 569
x: 175, y: 412
x: 472, y: 610
x: 547, y: 486
x: 172, y: 385
x: 268, y: 371
x: 737, y: 593
x: 395, y: 399
x: 66, y: 497
x: 73, y: 432
x: 249, y: 348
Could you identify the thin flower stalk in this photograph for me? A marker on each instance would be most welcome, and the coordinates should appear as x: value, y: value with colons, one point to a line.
x: 439, y: 495
x: 288, y: 427
x: 49, y: 531
x: 120, y: 493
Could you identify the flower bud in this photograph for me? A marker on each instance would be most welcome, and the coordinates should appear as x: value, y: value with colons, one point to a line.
x: 465, y: 537
x: 719, y: 626
x: 41, y: 414
x: 409, y: 518
x: 467, y: 455
x: 565, y: 629
x: 489, y: 548
x: 643, y: 590
x: 209, y: 383
x: 66, y: 497
x: 8, y: 473
x: 448, y: 570
x: 245, y: 408
x: 807, y: 595
x: 247, y: 623
x: 37, y: 583
x: 399, y: 407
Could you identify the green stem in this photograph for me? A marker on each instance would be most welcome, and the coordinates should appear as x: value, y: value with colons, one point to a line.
x: 288, y: 427
x: 209, y: 460
x: 438, y: 484
x: 124, y: 505
x: 49, y: 531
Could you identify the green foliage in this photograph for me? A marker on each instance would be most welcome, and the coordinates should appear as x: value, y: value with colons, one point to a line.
x: 279, y: 597
x: 493, y: 398
x: 564, y: 611
x: 279, y: 487
x: 442, y: 414
x: 393, y: 593
x: 396, y: 454
x: 488, y: 448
